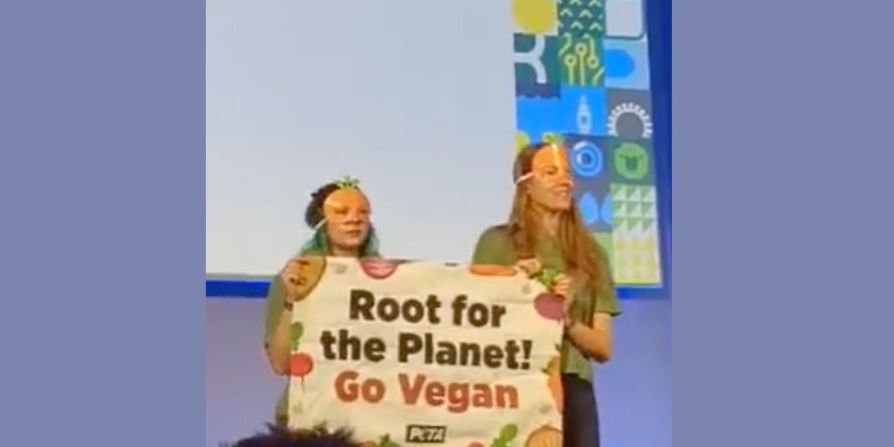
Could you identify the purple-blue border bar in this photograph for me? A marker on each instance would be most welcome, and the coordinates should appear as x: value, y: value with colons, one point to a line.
x: 257, y: 289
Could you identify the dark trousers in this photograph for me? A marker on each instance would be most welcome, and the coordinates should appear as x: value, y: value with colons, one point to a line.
x: 580, y: 418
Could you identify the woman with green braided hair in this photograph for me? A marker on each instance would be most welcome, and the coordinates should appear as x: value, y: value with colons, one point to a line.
x: 339, y: 214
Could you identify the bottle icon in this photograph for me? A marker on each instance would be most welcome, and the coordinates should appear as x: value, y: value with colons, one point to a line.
x: 584, y: 117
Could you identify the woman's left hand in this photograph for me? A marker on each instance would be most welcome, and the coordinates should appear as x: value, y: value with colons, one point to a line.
x: 563, y: 286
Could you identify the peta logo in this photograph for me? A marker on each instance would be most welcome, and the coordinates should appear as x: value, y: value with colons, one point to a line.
x: 426, y: 434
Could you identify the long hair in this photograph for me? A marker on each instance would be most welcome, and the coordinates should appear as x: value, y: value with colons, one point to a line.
x: 581, y: 253
x: 319, y: 243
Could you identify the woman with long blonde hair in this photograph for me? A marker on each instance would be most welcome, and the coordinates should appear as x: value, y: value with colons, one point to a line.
x: 545, y: 232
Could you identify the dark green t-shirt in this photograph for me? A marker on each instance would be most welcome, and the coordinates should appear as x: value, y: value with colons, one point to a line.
x: 495, y: 247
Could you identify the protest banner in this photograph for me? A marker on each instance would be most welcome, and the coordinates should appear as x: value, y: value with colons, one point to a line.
x: 409, y: 353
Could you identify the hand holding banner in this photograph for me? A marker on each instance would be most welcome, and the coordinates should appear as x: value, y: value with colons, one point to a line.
x: 411, y: 353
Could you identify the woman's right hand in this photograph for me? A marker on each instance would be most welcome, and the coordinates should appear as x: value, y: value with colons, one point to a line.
x: 530, y: 266
x: 293, y: 279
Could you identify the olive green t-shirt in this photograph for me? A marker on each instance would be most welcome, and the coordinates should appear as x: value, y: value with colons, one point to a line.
x: 495, y: 247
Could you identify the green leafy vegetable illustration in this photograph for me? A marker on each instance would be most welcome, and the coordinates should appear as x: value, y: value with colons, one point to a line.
x: 385, y: 441
x: 506, y: 436
x: 297, y: 330
x: 547, y: 276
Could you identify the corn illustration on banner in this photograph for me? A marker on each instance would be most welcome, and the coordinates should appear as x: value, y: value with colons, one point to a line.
x: 411, y: 353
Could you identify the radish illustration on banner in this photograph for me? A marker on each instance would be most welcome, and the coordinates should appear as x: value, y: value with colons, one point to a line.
x: 407, y: 353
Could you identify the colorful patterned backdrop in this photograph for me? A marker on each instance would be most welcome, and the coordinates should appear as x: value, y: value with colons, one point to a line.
x: 582, y: 76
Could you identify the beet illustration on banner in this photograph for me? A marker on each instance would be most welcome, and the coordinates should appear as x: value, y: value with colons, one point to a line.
x: 300, y: 365
x: 379, y: 268
x: 429, y: 353
x: 549, y: 305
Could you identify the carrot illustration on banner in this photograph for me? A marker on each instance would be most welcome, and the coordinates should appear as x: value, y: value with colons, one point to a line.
x: 432, y: 354
x: 554, y: 380
x: 492, y: 270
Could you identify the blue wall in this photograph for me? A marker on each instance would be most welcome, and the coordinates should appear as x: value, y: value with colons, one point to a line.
x: 658, y: 19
